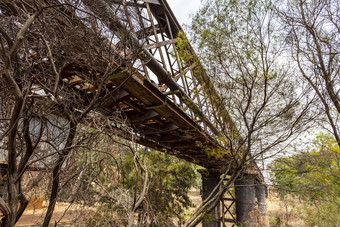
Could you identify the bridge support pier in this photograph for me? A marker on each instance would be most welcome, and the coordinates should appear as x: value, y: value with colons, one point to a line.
x: 261, y: 195
x: 245, y: 200
x: 209, y: 182
x: 250, y: 200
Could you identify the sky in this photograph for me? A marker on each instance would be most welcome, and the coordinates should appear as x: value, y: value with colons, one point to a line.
x: 183, y: 9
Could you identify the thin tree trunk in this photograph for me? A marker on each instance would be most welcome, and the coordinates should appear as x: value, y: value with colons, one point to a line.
x: 13, y: 185
x: 56, y: 174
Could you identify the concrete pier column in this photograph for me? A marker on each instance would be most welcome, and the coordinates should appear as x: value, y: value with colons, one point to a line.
x: 209, y: 182
x: 261, y: 195
x: 245, y: 201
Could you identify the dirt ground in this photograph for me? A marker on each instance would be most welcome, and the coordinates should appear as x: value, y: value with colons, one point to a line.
x: 76, y: 216
x: 36, y: 217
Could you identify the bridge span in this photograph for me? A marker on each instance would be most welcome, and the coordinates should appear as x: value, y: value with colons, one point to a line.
x: 171, y: 102
x: 167, y: 97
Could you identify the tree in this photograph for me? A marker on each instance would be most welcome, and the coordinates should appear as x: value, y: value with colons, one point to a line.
x: 313, y: 176
x: 171, y: 179
x: 110, y: 177
x: 51, y: 85
x: 312, y: 31
x: 239, y: 44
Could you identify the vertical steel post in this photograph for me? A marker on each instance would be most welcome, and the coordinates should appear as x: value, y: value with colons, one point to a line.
x: 209, y: 182
x: 261, y: 194
x: 245, y: 200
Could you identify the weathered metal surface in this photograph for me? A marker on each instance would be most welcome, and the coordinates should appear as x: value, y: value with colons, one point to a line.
x: 245, y: 200
x: 176, y: 99
x: 209, y: 182
x: 261, y: 195
x: 228, y: 202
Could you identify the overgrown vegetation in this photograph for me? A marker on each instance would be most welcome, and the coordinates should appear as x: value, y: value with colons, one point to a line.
x: 270, y: 69
x: 112, y: 181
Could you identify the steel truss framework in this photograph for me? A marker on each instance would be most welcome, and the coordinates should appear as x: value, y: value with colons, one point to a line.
x: 176, y: 113
x: 227, y: 205
x: 165, y: 98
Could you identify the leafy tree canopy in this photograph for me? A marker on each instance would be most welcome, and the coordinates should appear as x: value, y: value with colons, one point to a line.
x: 313, y: 176
x: 169, y: 181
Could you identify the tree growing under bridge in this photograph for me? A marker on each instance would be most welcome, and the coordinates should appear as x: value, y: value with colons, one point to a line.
x: 241, y: 47
x: 271, y: 58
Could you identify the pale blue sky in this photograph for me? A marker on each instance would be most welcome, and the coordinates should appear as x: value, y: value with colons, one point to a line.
x: 183, y: 8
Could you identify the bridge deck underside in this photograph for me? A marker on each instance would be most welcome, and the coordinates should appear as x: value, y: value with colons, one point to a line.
x: 158, y: 122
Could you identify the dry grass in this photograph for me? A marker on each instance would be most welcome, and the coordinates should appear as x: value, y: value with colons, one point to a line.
x: 285, y: 212
x: 280, y: 213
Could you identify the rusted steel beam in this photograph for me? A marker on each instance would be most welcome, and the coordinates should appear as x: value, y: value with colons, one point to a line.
x: 121, y: 94
x: 116, y: 97
x: 179, y: 75
x: 152, y: 1
x: 155, y: 35
x: 156, y: 146
x: 134, y: 106
x: 166, y: 19
x: 182, y: 145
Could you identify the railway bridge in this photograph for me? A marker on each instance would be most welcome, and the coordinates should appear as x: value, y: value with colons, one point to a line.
x: 169, y: 100
x: 173, y: 105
